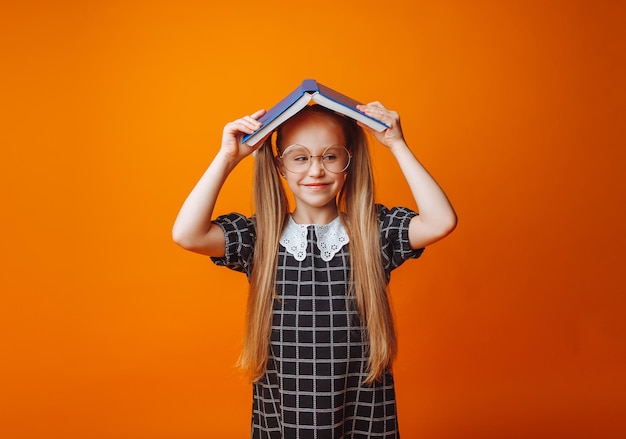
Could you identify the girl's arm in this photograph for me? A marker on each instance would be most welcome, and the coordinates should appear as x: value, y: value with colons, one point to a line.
x: 193, y: 229
x: 437, y: 217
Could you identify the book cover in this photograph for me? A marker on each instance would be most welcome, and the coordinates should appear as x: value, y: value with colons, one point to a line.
x: 295, y: 101
x: 349, y: 106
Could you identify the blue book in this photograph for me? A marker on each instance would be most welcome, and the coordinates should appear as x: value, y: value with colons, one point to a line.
x: 310, y: 90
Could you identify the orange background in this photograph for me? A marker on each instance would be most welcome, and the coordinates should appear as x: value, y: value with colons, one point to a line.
x: 513, y: 327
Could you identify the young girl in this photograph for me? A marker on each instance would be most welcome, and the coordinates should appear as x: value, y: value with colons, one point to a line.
x: 319, y: 338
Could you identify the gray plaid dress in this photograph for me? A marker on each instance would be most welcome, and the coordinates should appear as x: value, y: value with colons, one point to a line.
x: 312, y: 387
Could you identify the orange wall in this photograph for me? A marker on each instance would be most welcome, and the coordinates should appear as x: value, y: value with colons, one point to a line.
x: 513, y: 327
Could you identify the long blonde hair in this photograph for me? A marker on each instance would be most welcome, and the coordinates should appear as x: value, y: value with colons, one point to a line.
x: 359, y: 216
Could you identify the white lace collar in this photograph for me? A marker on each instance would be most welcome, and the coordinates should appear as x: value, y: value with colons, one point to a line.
x: 331, y: 238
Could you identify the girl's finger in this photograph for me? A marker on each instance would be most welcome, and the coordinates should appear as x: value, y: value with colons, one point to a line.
x: 241, y: 125
x: 257, y: 114
x: 252, y: 121
x: 373, y: 108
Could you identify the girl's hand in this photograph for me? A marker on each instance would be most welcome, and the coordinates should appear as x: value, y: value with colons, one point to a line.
x: 391, y: 135
x: 234, y: 131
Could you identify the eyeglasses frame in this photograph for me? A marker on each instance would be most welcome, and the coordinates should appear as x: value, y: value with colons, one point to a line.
x: 311, y: 156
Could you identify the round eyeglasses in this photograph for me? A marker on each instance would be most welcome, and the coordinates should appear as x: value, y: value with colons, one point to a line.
x: 297, y: 158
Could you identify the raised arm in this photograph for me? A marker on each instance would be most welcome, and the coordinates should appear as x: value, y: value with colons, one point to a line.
x: 193, y: 229
x: 437, y: 217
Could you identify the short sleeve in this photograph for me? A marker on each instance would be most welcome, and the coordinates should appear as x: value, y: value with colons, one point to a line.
x: 240, y: 235
x: 394, y: 236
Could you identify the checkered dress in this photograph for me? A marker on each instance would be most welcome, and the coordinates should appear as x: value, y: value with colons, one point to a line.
x: 312, y: 387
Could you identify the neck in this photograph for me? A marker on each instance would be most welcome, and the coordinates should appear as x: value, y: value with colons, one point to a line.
x: 314, y: 216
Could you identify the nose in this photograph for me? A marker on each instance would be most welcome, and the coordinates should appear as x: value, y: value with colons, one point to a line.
x: 316, y: 168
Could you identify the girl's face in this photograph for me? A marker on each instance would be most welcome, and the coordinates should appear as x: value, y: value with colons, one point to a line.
x: 315, y: 189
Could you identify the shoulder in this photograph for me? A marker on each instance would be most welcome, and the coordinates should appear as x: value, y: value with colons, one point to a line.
x: 237, y: 228
x: 235, y: 221
x: 394, y: 236
x: 394, y: 217
x: 239, y: 242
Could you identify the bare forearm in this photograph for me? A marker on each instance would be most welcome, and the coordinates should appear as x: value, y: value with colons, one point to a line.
x: 193, y: 224
x: 437, y: 217
x: 193, y: 229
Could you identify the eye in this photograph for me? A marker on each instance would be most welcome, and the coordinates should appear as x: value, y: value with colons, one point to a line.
x: 329, y: 157
x: 300, y: 158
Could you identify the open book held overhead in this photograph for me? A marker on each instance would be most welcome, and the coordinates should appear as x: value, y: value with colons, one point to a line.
x: 310, y: 90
